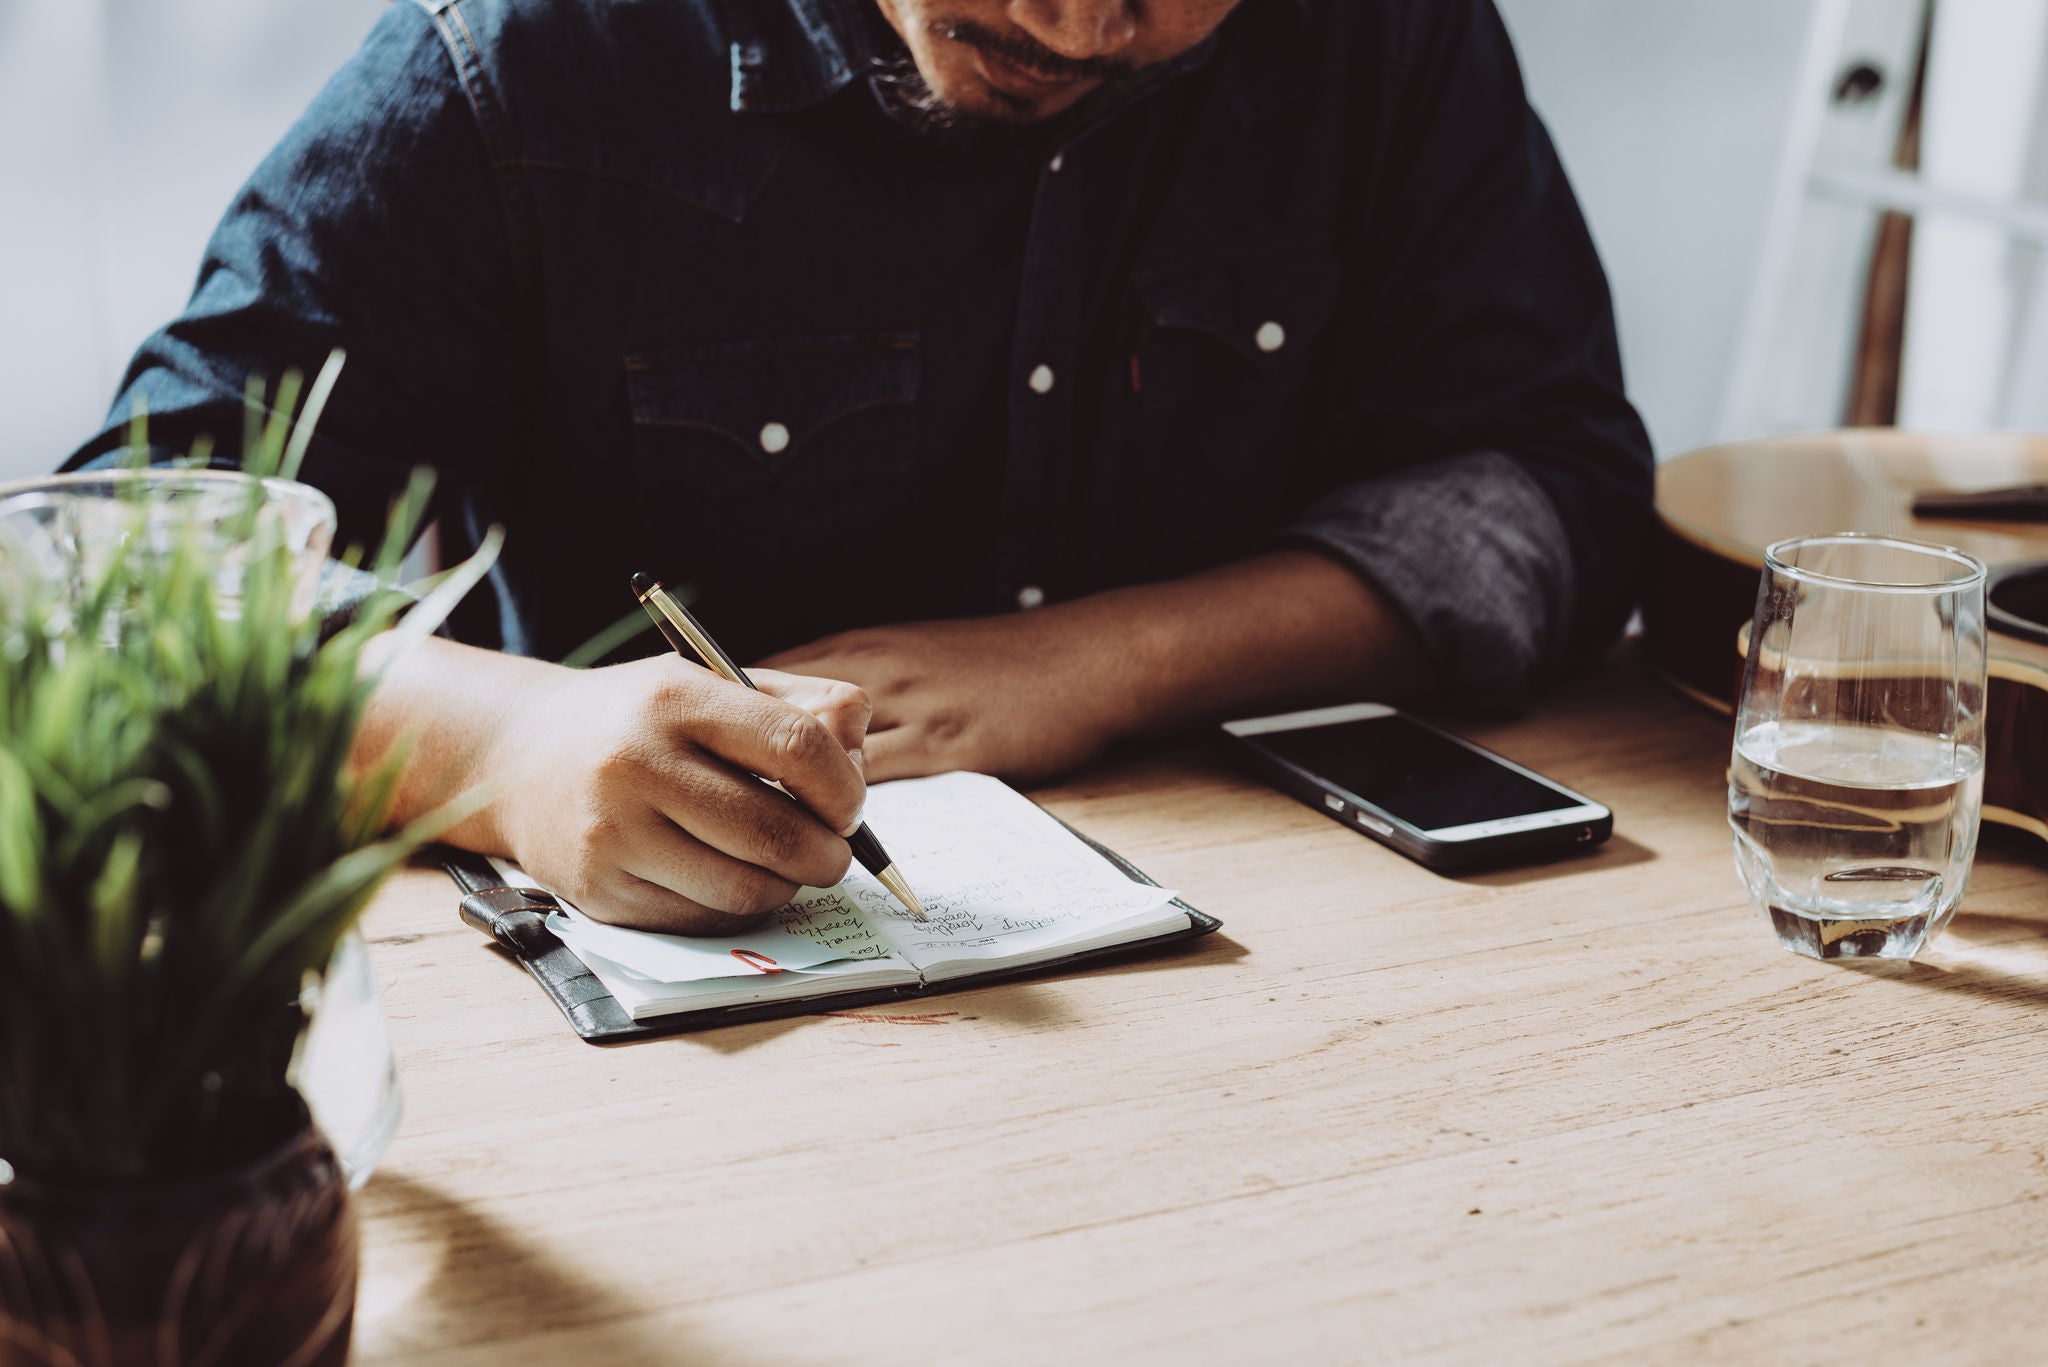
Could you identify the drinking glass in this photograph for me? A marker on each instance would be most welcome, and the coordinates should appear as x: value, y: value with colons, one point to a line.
x: 1858, y: 772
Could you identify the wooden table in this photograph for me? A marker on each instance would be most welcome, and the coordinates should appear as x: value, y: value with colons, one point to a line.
x: 1583, y: 1112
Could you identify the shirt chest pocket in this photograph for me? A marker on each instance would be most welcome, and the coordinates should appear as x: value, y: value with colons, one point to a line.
x: 763, y: 432
x: 1225, y: 375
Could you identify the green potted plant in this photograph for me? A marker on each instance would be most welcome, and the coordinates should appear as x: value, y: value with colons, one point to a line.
x: 182, y: 843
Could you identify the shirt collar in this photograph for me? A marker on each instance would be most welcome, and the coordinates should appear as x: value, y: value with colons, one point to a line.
x: 789, y: 55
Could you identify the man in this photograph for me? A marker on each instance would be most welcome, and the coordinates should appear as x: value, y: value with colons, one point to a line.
x: 1041, y: 370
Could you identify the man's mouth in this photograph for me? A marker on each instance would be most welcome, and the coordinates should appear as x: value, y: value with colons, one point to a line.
x: 1020, y: 82
x: 1020, y: 71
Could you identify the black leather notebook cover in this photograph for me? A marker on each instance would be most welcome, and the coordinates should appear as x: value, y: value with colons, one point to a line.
x: 516, y: 918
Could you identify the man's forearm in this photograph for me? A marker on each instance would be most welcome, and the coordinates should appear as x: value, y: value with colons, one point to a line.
x: 1290, y: 627
x: 1033, y: 694
x: 449, y: 704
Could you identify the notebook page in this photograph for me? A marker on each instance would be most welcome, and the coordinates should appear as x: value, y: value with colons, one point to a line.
x: 1000, y: 879
x: 830, y: 918
x: 645, y: 998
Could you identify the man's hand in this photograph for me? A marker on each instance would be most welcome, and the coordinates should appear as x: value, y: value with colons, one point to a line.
x: 1024, y: 696
x: 632, y: 790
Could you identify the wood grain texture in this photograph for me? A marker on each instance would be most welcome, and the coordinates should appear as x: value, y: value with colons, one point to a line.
x: 1589, y: 1112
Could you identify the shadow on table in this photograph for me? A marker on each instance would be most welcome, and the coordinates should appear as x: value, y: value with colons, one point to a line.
x: 721, y: 1039
x: 1618, y: 852
x: 1026, y: 1004
x: 1984, y: 954
x: 1214, y: 948
x: 486, y: 1286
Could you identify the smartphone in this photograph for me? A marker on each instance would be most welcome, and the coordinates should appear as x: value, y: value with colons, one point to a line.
x: 1444, y: 802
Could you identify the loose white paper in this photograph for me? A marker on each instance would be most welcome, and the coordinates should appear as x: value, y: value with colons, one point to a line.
x: 799, y: 937
x: 689, y: 958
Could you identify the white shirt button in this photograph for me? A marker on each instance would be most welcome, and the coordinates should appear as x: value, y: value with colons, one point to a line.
x: 1041, y: 380
x: 1271, y: 337
x: 774, y: 438
x: 1059, y: 159
x: 1030, y: 596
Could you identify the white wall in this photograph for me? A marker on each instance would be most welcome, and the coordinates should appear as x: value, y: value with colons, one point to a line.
x: 1672, y: 117
x: 125, y: 128
x: 1969, y: 289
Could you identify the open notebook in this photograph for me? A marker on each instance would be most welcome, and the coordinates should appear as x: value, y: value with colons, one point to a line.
x: 1007, y: 890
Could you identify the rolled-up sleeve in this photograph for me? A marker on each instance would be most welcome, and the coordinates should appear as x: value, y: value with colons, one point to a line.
x: 1488, y: 473
x: 1473, y: 553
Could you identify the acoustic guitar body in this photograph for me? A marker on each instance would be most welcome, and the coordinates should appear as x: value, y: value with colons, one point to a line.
x: 1719, y: 507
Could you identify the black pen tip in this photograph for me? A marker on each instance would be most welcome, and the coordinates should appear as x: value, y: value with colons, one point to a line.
x: 644, y: 583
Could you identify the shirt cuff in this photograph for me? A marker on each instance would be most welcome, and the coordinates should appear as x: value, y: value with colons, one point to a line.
x: 1473, y: 552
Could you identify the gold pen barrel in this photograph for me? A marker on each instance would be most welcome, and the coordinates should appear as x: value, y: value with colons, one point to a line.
x: 709, y: 651
x: 899, y: 888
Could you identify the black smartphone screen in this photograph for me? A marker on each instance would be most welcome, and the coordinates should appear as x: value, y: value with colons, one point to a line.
x: 1412, y: 772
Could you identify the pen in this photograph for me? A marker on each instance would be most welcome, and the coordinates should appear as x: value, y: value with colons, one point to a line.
x: 689, y: 638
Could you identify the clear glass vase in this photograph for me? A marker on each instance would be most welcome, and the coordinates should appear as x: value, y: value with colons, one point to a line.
x: 345, y: 1069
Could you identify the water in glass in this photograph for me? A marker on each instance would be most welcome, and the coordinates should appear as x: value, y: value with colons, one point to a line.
x: 1853, y: 843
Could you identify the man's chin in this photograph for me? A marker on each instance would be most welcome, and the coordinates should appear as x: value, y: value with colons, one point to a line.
x: 960, y: 98
x: 978, y: 100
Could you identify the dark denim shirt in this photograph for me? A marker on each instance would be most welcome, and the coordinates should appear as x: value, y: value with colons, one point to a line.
x: 663, y: 284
